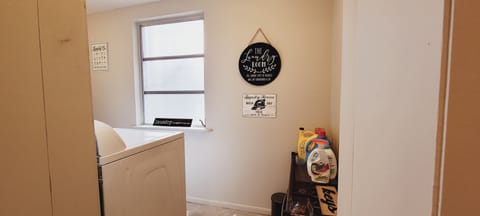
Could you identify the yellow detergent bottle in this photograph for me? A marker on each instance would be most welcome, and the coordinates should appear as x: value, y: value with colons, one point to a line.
x: 303, y: 138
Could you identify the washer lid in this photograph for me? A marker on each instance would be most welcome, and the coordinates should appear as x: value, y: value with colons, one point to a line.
x: 139, y: 141
x: 108, y: 141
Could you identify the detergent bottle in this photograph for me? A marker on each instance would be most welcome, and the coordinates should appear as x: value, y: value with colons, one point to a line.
x: 324, y: 143
x: 304, y: 137
x: 318, y: 166
x: 319, y: 141
x: 332, y: 160
x: 322, y: 134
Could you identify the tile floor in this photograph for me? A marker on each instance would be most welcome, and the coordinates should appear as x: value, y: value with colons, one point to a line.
x: 194, y: 209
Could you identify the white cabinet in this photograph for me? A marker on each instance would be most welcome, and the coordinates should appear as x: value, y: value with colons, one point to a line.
x: 47, y: 155
x: 24, y: 178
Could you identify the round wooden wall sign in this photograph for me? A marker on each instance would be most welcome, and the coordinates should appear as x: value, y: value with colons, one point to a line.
x: 259, y: 64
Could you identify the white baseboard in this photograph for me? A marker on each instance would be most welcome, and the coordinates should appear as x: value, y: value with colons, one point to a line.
x: 236, y: 206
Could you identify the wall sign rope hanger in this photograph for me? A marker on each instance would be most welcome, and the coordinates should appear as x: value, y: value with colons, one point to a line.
x: 259, y: 30
x: 259, y: 63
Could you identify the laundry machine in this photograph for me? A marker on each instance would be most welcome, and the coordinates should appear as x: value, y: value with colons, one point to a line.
x: 142, y: 173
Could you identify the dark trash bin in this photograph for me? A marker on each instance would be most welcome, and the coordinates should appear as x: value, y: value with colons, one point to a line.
x: 277, y: 201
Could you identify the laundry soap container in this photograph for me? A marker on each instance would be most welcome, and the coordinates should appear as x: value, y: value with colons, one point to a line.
x: 304, y: 137
x: 332, y: 160
x: 318, y: 166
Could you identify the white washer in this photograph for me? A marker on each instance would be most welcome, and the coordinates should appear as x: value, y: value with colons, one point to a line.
x: 143, y: 171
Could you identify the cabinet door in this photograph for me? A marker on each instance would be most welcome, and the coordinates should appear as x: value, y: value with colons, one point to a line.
x: 24, y: 178
x: 148, y: 183
x: 68, y: 107
x: 462, y: 149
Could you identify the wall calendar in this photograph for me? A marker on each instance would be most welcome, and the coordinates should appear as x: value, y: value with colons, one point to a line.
x: 99, y: 56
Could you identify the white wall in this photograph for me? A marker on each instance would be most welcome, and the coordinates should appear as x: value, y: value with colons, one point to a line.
x: 243, y: 161
x: 389, y: 101
x: 337, y: 18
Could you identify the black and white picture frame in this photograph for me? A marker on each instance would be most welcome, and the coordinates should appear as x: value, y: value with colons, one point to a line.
x: 259, y: 105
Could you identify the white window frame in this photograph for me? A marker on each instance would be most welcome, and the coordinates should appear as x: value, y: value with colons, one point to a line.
x: 139, y: 63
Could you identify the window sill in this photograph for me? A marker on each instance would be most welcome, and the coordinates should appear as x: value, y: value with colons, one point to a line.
x: 184, y: 129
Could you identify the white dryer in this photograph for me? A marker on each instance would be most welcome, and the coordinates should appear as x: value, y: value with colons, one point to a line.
x: 142, y: 172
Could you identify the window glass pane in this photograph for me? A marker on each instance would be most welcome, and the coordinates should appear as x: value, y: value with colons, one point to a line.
x: 174, y: 106
x: 171, y: 39
x: 177, y: 74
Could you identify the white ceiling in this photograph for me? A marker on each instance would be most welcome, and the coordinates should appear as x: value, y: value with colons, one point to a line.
x: 94, y: 6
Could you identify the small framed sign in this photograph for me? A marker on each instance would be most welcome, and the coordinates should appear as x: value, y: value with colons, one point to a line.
x: 260, y: 105
x: 99, y: 55
x: 172, y: 122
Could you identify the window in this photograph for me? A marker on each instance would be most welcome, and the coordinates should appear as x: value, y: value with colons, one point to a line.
x: 172, y: 69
